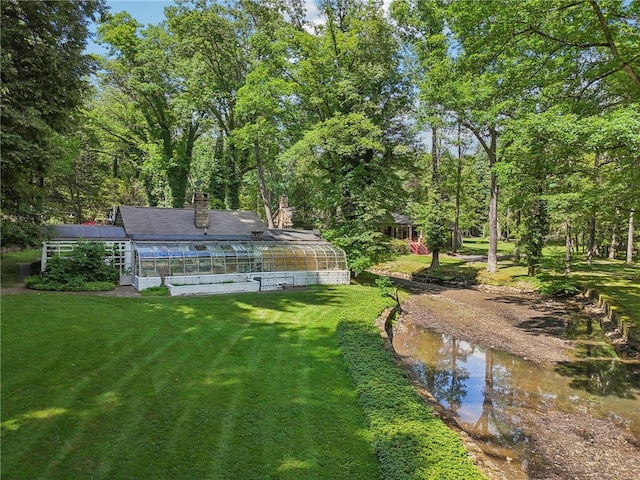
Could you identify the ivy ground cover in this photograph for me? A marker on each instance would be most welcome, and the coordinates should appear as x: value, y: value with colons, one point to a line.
x: 250, y: 386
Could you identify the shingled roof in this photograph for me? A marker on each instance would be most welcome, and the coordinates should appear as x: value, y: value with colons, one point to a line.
x: 173, y: 223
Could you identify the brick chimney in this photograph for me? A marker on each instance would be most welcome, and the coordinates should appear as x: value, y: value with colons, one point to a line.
x: 201, y: 208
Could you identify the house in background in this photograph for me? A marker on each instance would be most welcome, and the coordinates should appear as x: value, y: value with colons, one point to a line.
x: 198, y: 250
x: 402, y: 228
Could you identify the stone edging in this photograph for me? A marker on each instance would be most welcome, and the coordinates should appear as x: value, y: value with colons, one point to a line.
x: 630, y: 332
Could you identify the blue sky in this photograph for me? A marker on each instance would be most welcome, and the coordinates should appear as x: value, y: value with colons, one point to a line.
x: 144, y: 11
x: 152, y: 12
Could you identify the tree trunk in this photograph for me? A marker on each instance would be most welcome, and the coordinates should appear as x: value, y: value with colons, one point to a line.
x: 435, y: 259
x: 435, y: 176
x: 454, y: 237
x: 435, y: 156
x: 614, y: 235
x: 492, y: 258
x: 262, y: 185
x: 567, y: 252
x: 630, y: 238
x: 491, y: 150
x: 591, y: 241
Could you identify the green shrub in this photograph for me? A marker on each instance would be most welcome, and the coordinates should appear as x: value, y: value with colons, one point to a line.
x: 399, y: 247
x: 85, y: 268
x: 160, y: 291
x: 559, y: 288
x: 410, y: 441
x: 75, y: 284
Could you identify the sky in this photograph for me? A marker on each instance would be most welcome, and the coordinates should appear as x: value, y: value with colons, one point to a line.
x: 152, y: 12
x: 144, y: 11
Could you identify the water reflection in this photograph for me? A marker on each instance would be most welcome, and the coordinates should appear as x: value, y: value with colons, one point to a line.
x: 489, y: 391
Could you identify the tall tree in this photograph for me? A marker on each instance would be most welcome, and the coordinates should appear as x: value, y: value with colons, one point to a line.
x: 43, y: 76
x: 145, y: 70
x: 213, y: 39
x: 347, y: 79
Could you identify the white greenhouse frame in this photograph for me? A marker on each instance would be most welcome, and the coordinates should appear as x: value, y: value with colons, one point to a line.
x: 215, y: 266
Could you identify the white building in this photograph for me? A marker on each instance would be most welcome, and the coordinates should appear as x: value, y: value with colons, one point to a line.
x: 197, y: 250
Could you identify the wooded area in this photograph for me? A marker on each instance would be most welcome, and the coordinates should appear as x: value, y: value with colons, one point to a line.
x: 514, y: 119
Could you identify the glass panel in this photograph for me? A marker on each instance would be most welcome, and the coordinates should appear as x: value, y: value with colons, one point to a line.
x: 147, y: 268
x: 160, y: 251
x: 191, y: 266
x: 214, y: 250
x: 177, y: 266
x: 219, y: 258
x: 341, y: 260
x: 145, y: 252
x: 299, y: 257
x: 189, y: 251
x: 311, y: 262
x: 321, y: 257
x: 218, y: 265
x: 266, y: 255
x: 204, y: 265
x: 332, y: 260
x: 278, y: 254
x: 230, y: 258
x: 244, y: 265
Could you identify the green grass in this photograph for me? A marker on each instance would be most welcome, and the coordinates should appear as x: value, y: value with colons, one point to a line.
x: 11, y: 266
x: 616, y: 282
x: 250, y: 386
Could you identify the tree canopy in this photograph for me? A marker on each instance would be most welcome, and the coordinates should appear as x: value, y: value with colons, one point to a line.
x: 515, y: 119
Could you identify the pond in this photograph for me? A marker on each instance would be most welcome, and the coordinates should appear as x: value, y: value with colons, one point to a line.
x: 494, y: 395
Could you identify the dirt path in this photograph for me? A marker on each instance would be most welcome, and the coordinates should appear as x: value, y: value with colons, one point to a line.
x: 568, y: 445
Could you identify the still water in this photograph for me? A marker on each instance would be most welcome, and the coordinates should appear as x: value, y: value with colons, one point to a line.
x: 491, y: 392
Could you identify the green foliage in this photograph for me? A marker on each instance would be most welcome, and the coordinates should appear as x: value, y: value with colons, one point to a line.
x: 10, y: 266
x: 161, y: 291
x: 399, y: 247
x: 387, y: 290
x: 44, y: 75
x: 410, y: 441
x: 364, y: 248
x: 563, y: 287
x: 435, y: 228
x: 20, y: 234
x: 84, y: 269
x: 74, y: 284
x: 534, y: 228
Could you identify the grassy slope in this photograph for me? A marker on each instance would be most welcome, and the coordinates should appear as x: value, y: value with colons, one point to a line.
x: 11, y: 266
x: 249, y: 386
x: 617, y: 282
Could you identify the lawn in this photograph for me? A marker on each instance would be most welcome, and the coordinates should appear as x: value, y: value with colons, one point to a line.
x: 282, y: 385
x: 234, y: 387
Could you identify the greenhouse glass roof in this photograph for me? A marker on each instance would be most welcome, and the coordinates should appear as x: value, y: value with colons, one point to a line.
x: 206, y: 258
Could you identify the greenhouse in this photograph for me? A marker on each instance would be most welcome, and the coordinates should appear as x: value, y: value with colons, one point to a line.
x: 206, y: 258
x: 206, y: 251
x: 259, y: 265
